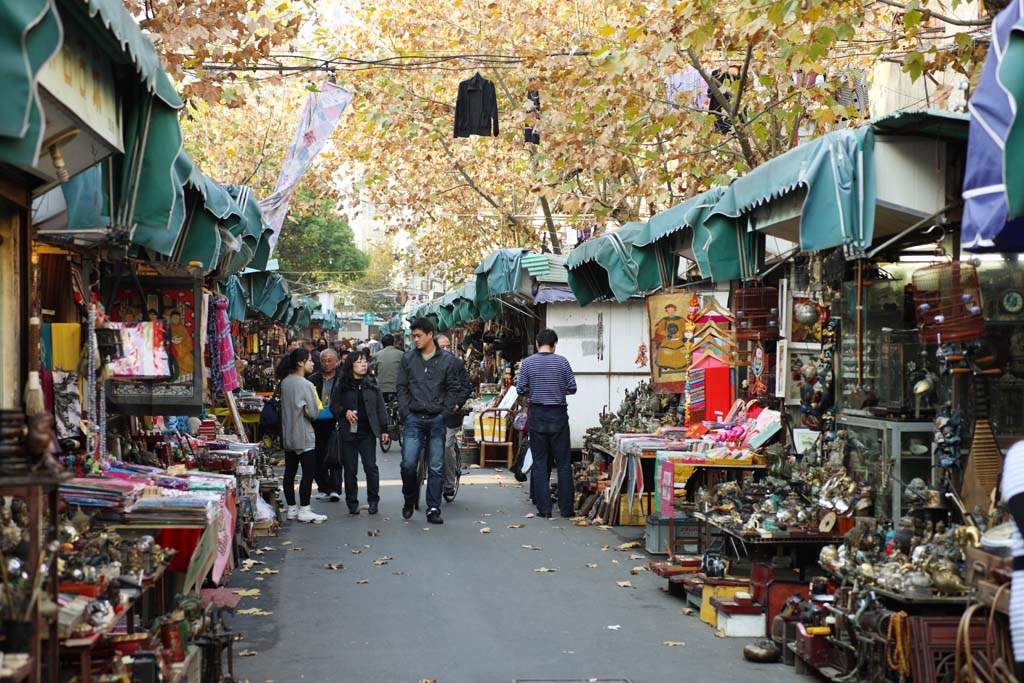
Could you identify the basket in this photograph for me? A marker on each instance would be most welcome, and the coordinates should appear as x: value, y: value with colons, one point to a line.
x: 947, y: 303
x: 757, y: 313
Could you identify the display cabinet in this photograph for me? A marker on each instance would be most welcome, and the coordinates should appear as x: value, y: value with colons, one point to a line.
x: 891, y: 452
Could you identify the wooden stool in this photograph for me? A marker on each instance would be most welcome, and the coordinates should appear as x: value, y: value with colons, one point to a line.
x: 495, y: 424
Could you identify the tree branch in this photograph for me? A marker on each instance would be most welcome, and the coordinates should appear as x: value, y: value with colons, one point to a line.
x: 941, y: 17
x: 714, y: 87
x: 472, y: 184
x: 734, y: 113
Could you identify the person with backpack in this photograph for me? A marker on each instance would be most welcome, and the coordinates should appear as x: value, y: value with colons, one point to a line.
x: 299, y: 408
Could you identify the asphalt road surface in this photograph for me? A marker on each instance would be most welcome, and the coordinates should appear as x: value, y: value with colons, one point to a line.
x: 447, y: 602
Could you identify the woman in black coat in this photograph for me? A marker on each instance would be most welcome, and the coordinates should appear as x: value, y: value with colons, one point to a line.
x: 363, y: 421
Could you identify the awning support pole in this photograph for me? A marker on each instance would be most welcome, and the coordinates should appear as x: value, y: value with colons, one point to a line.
x: 921, y: 223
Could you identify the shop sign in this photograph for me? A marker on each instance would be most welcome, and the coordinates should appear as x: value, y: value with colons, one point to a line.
x: 81, y: 78
x: 367, y: 319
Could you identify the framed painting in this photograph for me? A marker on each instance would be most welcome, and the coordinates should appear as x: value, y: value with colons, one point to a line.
x: 666, y: 315
x: 162, y: 371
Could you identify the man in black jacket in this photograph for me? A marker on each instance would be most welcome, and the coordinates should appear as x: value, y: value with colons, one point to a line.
x: 431, y: 386
x: 328, y: 480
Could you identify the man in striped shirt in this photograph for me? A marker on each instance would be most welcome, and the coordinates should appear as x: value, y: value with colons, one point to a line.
x: 546, y: 378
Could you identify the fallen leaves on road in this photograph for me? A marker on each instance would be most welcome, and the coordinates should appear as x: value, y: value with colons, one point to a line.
x: 357, y: 551
x: 673, y: 643
x: 591, y: 565
x: 636, y: 556
x: 499, y: 469
x: 249, y: 593
x: 605, y: 548
x: 603, y: 527
x: 373, y: 532
x: 720, y: 633
x: 544, y: 570
x: 486, y: 530
x: 628, y: 546
x: 297, y: 549
x: 267, y: 548
x: 247, y: 653
x: 334, y: 566
x: 426, y: 528
x: 614, y: 627
x: 515, y: 526
x: 380, y: 562
x: 636, y: 570
x: 624, y: 584
x: 530, y: 515
x: 255, y: 611
x: 362, y: 581
x: 579, y: 521
x: 398, y: 573
x: 474, y: 466
x: 286, y: 542
x: 269, y: 571
x: 533, y: 547
x: 687, y: 611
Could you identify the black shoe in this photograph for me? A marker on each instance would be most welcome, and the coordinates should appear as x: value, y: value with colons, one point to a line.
x: 434, y: 516
x: 449, y: 496
x: 570, y: 515
x: 353, y: 509
x: 372, y: 508
x: 545, y: 515
x: 407, y: 511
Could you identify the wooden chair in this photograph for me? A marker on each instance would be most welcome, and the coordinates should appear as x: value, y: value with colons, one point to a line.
x: 495, y: 435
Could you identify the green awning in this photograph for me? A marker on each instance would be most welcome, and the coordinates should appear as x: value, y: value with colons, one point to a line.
x: 238, y: 299
x: 829, y: 183
x: 30, y: 34
x: 266, y: 291
x: 931, y: 123
x: 209, y: 207
x: 1011, y: 78
x: 610, y: 266
x: 499, y: 273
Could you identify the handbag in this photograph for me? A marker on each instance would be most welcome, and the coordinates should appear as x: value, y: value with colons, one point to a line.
x: 334, y: 455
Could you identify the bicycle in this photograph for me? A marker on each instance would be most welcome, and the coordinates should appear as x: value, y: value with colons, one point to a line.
x: 395, y: 426
x: 423, y: 471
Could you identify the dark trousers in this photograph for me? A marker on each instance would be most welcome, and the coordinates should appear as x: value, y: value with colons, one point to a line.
x: 328, y: 479
x: 364, y: 447
x: 549, y: 442
x: 292, y: 460
x: 417, y: 430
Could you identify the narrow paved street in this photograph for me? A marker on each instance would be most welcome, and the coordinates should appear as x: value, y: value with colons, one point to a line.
x: 458, y: 605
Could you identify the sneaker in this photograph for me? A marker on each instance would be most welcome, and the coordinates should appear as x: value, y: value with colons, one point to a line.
x: 449, y: 495
x: 372, y: 508
x: 434, y: 516
x: 335, y: 497
x: 545, y: 515
x: 322, y: 495
x: 306, y: 514
x: 293, y: 511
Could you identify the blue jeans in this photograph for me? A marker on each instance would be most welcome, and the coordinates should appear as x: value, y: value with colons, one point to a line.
x: 416, y: 430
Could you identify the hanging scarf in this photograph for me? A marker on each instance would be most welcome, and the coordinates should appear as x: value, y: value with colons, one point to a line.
x: 223, y: 345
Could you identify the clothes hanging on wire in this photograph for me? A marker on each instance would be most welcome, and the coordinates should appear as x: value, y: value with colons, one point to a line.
x: 852, y: 90
x: 530, y: 135
x: 687, y: 89
x: 476, y: 109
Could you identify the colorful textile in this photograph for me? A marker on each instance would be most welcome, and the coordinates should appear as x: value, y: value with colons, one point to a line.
x: 319, y: 118
x: 66, y: 346
x: 46, y: 345
x: 225, y: 345
x: 145, y: 356
x: 67, y: 405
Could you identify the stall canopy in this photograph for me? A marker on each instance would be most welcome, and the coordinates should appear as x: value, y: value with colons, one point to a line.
x: 266, y: 292
x: 612, y: 266
x: 498, y: 275
x: 819, y: 195
x: 993, y: 188
x: 238, y: 298
x: 551, y: 279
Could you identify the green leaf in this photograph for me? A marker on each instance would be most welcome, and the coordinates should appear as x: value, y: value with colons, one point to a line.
x: 667, y: 50
x: 912, y: 18
x: 845, y: 32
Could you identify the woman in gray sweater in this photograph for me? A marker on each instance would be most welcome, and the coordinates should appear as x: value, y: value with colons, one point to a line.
x: 298, y: 410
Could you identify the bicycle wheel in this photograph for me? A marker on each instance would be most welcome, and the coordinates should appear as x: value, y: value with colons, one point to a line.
x: 421, y: 474
x: 386, y: 446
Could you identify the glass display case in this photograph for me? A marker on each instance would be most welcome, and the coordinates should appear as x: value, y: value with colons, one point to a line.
x: 888, y: 453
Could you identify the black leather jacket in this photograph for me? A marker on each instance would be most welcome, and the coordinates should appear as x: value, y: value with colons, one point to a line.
x: 428, y: 388
x: 346, y: 397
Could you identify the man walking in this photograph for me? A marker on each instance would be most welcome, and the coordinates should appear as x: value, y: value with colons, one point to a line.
x: 431, y: 387
x: 328, y: 480
x: 452, y: 423
x: 385, y: 365
x: 546, y: 379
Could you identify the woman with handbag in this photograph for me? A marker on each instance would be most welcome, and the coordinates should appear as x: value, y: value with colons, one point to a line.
x: 362, y: 422
x: 299, y: 407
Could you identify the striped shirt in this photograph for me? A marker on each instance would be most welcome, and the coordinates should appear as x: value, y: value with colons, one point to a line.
x: 1013, y: 486
x: 546, y: 378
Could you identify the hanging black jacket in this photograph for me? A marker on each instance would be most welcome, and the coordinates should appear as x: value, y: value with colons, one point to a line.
x: 476, y: 109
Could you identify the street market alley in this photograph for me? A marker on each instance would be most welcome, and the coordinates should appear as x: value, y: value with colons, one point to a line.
x: 464, y: 602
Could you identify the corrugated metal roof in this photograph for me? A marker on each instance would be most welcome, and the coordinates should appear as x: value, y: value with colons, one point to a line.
x: 547, y: 268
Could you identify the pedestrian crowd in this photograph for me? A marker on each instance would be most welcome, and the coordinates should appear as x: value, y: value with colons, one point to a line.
x: 335, y: 407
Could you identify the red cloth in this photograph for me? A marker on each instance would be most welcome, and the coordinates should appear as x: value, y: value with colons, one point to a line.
x: 717, y: 392
x: 182, y: 540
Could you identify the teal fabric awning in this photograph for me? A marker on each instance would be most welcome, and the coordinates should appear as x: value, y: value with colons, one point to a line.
x: 499, y: 273
x: 611, y: 266
x: 30, y: 34
x: 834, y: 175
x: 266, y: 291
x: 238, y: 298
